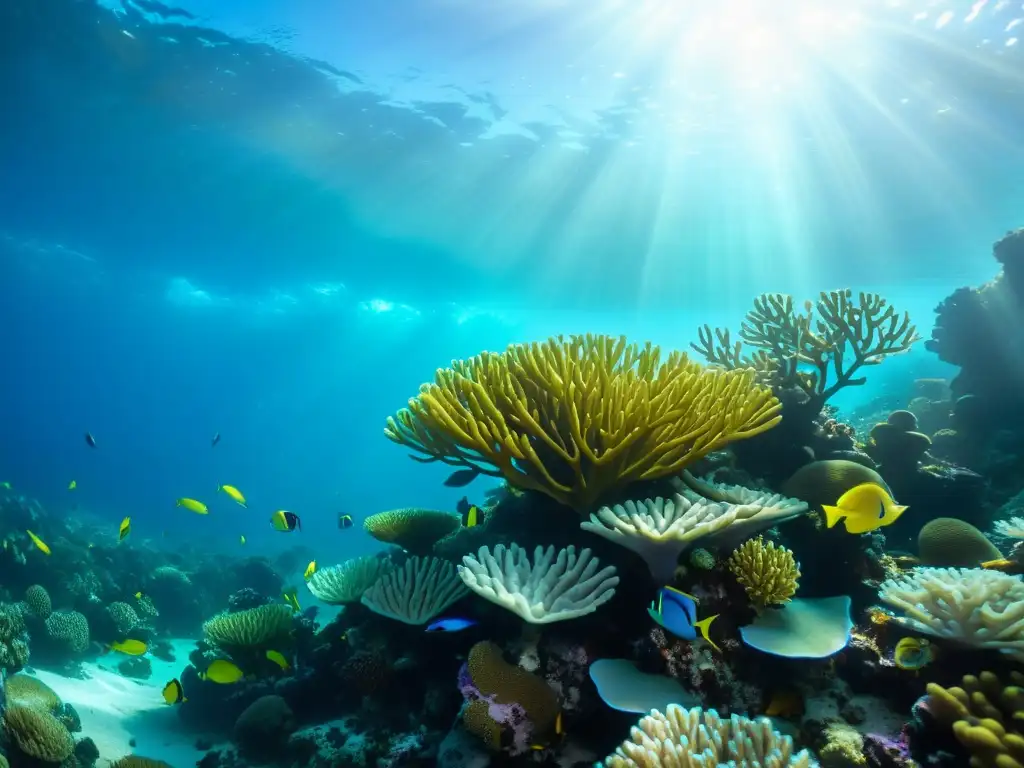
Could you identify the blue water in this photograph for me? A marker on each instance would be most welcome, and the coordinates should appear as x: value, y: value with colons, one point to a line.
x: 275, y: 220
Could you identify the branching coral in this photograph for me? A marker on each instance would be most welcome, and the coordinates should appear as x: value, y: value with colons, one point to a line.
x: 346, y: 583
x: 579, y: 418
x: 544, y: 591
x: 770, y: 574
x: 986, y: 716
x: 255, y: 628
x: 972, y: 606
x: 416, y: 592
x: 835, y: 334
x: 682, y: 738
x: 414, y: 530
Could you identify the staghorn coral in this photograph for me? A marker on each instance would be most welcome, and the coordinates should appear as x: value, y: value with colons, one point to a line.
x: 693, y: 738
x: 37, y: 733
x: 122, y: 617
x: 29, y: 691
x: 544, y: 591
x: 972, y: 606
x: 414, y: 530
x: 254, y: 628
x: 986, y: 716
x: 579, y: 418
x: 834, y: 334
x: 69, y: 630
x: 416, y: 592
x: 346, y: 583
x: 947, y: 542
x: 768, y: 573
x: 38, y: 601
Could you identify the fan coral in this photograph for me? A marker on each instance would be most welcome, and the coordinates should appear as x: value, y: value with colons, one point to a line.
x: 971, y: 606
x: 69, y: 629
x: 29, y: 691
x: 254, y: 628
x: 948, y: 542
x: 579, y: 418
x: 123, y: 618
x: 347, y: 582
x: 844, y: 336
x: 543, y: 591
x: 414, y: 530
x: 682, y: 738
x: 768, y: 573
x: 38, y: 733
x: 985, y: 716
x: 38, y: 601
x: 416, y: 592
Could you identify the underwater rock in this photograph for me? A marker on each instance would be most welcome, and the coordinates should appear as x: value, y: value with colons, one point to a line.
x: 263, y: 728
x: 461, y: 749
x: 138, y: 667
x: 246, y: 598
x: 86, y: 753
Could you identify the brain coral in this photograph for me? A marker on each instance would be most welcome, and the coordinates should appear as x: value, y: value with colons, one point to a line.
x: 256, y: 627
x: 38, y: 601
x: 947, y: 542
x: 823, y: 482
x: 414, y: 530
x: 38, y: 733
x: 70, y: 629
x: 31, y: 692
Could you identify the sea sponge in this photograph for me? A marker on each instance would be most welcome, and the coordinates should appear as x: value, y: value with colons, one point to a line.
x: 947, y: 542
x: 416, y: 592
x: 38, y: 601
x: 37, y: 733
x: 138, y: 761
x: 69, y: 630
x: 30, y: 691
x: 264, y: 726
x: 414, y: 530
x: 986, y: 716
x: 681, y: 738
x: 346, y: 583
x: 123, y: 618
x: 255, y: 628
x: 823, y: 482
x: 768, y: 573
x: 579, y: 418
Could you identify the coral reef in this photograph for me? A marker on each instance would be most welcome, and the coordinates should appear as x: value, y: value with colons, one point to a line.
x: 416, y: 592
x: 769, y: 574
x: 986, y: 718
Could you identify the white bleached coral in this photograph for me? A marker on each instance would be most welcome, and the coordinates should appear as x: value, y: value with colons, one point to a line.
x: 544, y: 591
x: 1011, y: 529
x: 347, y: 582
x: 972, y: 606
x: 691, y: 738
x: 416, y: 592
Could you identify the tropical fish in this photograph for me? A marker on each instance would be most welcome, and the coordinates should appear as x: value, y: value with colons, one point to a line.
x: 292, y: 598
x: 216, y: 439
x: 39, y: 543
x: 172, y: 692
x: 139, y: 595
x: 461, y: 478
x: 310, y: 570
x: 241, y: 538
x: 913, y: 653
x: 278, y: 658
x: 785, y: 702
x: 865, y: 507
x: 129, y: 647
x: 879, y: 616
x: 345, y: 521
x: 192, y: 506
x: 1002, y: 564
x: 450, y: 625
x: 222, y: 671
x: 285, y: 521
x: 72, y: 485
x: 124, y: 529
x: 677, y: 612
x: 90, y: 440
x: 233, y: 492
x: 469, y: 513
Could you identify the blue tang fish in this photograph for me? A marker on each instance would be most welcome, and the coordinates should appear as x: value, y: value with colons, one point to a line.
x: 677, y: 612
x: 450, y: 625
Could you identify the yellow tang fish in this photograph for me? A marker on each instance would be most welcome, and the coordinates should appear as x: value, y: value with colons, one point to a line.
x: 38, y: 542
x: 913, y: 653
x: 233, y: 492
x: 192, y: 506
x: 292, y: 598
x: 129, y: 647
x: 125, y: 529
x: 310, y: 570
x: 278, y: 658
x: 172, y: 692
x: 72, y: 485
x: 865, y: 507
x: 222, y: 671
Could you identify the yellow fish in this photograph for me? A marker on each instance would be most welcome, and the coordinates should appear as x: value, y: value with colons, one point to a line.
x: 192, y: 506
x: 292, y: 598
x: 139, y: 595
x: 913, y: 653
x: 129, y: 647
x: 285, y: 521
x: 39, y: 543
x: 234, y: 493
x: 242, y: 539
x: 279, y: 659
x: 72, y: 485
x: 222, y: 671
x: 865, y: 507
x: 172, y: 693
x: 125, y: 529
x: 310, y: 570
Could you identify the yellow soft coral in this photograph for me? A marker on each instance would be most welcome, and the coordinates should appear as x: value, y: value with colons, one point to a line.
x: 579, y: 418
x: 986, y: 716
x: 768, y: 573
x: 414, y: 530
x: 254, y: 628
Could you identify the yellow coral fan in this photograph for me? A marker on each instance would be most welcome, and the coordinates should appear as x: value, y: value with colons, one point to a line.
x: 37, y: 733
x: 768, y: 573
x: 254, y: 628
x: 31, y: 692
x: 987, y: 717
x: 579, y: 418
x: 414, y: 530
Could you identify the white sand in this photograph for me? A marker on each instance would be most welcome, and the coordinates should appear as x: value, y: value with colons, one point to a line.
x: 115, y: 709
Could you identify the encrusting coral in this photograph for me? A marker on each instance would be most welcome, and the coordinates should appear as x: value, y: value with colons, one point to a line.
x: 254, y: 628
x: 414, y: 530
x: 769, y: 574
x: 579, y: 418
x: 346, y: 583
x: 416, y: 592
x: 37, y: 733
x: 543, y: 591
x: 986, y: 717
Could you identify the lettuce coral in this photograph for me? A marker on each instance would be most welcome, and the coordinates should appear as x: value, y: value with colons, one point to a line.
x: 577, y: 419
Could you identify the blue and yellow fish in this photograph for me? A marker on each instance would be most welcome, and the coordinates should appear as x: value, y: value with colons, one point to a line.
x: 863, y: 508
x: 285, y: 521
x: 677, y: 612
x: 913, y: 653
